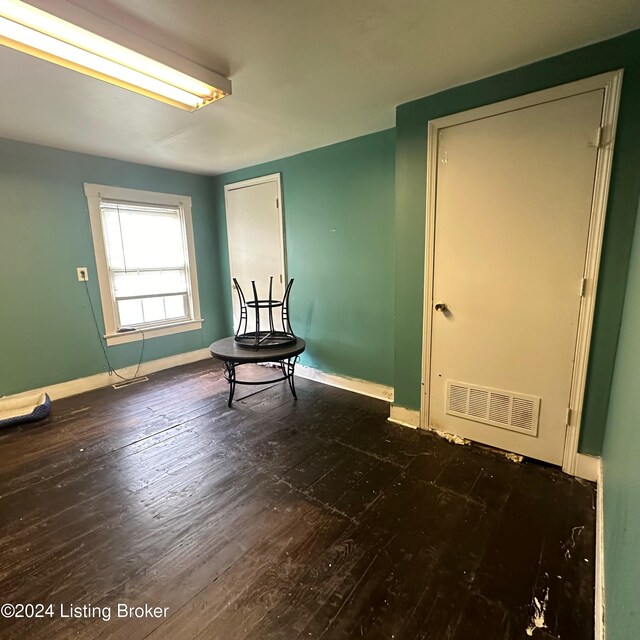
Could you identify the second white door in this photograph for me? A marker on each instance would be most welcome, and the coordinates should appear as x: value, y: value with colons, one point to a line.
x: 255, y: 234
x: 513, y: 206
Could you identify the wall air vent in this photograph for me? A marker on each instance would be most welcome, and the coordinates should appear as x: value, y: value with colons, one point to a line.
x: 498, y: 408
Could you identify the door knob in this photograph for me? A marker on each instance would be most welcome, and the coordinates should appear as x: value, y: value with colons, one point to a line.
x: 441, y: 306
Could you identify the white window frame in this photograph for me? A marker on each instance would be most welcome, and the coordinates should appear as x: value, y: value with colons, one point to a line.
x: 95, y: 193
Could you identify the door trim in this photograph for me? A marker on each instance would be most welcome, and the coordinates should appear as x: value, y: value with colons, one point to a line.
x: 252, y: 182
x: 611, y: 83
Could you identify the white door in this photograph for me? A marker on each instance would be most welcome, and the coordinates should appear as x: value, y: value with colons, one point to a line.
x: 512, y: 215
x: 256, y: 240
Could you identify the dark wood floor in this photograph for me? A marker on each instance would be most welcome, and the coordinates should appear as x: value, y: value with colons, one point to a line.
x: 275, y: 519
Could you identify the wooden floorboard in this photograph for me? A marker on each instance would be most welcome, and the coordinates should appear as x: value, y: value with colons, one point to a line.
x: 281, y: 519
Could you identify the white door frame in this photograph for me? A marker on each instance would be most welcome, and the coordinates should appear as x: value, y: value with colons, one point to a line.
x: 233, y: 186
x: 611, y: 83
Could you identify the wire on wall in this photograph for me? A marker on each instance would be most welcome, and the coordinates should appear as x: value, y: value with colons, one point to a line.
x: 111, y: 369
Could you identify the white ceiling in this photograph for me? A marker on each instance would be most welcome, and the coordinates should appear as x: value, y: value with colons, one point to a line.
x: 305, y: 73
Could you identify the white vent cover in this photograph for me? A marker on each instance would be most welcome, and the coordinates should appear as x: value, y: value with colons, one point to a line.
x: 505, y: 409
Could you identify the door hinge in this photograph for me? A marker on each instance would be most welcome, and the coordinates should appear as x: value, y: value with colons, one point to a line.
x: 569, y: 415
x: 600, y: 138
x: 583, y: 287
x: 277, y: 203
x: 280, y: 278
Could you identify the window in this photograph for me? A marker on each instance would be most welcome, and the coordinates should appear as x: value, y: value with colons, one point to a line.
x: 143, y: 243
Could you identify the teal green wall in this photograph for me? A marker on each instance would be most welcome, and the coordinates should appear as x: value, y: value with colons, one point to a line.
x: 411, y: 141
x: 338, y: 208
x: 47, y: 333
x: 621, y: 477
x: 359, y: 307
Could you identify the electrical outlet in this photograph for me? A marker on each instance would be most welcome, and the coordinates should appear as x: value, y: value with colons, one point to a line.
x: 83, y: 274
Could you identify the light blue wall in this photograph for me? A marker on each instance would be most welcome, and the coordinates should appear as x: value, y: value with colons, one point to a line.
x: 621, y: 460
x: 338, y: 204
x: 47, y: 333
x: 338, y: 209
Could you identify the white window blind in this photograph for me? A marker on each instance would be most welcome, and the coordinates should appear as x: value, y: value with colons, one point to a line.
x: 148, y: 262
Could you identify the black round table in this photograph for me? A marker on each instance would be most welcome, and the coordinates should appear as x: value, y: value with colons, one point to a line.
x: 233, y: 356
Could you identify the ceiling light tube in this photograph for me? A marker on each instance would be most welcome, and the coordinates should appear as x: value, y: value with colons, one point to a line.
x: 33, y: 31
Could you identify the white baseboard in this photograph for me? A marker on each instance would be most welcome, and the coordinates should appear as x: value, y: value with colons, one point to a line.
x: 405, y: 417
x: 600, y: 631
x: 80, y: 385
x: 587, y: 467
x: 364, y: 387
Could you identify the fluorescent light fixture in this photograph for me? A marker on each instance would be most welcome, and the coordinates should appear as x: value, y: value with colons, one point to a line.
x: 38, y: 33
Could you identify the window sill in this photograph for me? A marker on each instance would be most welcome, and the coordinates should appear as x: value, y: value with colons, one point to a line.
x: 152, y: 332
